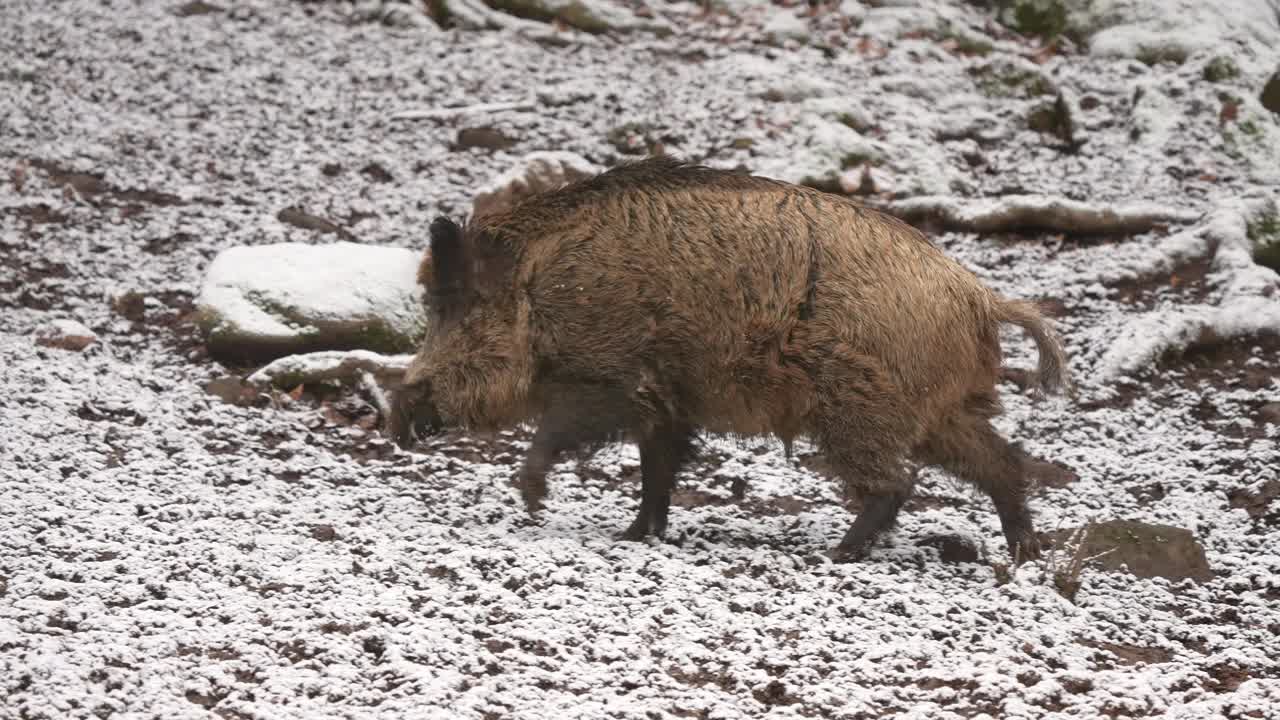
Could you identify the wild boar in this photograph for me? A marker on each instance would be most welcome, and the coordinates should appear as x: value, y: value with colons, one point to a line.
x: 660, y: 298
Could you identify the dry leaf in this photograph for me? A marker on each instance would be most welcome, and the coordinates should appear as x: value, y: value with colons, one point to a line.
x: 19, y: 176
x: 870, y: 47
x: 296, y: 393
x: 1042, y: 55
x: 1230, y: 111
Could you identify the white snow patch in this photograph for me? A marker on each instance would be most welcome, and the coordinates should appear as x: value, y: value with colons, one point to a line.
x: 1134, y: 28
x: 822, y: 149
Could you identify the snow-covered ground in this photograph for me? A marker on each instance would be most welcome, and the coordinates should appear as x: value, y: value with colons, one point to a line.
x: 174, y: 545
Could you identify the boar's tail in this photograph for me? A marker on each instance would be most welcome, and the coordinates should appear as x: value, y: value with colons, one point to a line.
x: 1051, y: 375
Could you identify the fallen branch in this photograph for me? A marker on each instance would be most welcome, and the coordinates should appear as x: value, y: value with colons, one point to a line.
x: 449, y: 112
x: 294, y: 370
x: 1033, y: 213
x: 306, y: 221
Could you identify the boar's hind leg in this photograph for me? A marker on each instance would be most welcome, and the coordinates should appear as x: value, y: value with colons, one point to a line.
x: 663, y: 449
x: 967, y: 446
x: 862, y: 428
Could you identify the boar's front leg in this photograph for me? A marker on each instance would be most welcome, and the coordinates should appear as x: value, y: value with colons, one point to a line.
x: 575, y: 417
x: 663, y: 449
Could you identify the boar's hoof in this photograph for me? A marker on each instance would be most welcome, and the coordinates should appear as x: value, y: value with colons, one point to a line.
x: 635, y: 533
x: 639, y: 530
x: 842, y: 554
x: 533, y: 490
x: 650, y: 520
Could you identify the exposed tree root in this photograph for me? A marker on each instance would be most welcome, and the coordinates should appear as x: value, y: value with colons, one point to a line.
x: 1030, y: 213
x: 450, y: 112
x: 352, y: 365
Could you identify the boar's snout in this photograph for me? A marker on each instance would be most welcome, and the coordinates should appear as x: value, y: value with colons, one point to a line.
x: 412, y: 416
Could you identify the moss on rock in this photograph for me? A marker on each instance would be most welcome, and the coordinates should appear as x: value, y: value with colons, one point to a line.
x: 1219, y: 69
x: 1264, y: 233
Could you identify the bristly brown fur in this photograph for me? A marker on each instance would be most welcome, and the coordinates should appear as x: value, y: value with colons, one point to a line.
x: 661, y: 297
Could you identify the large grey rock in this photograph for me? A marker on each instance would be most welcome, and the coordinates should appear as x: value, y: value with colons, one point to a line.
x: 266, y: 301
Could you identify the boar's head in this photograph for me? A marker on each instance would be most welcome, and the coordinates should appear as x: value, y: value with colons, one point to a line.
x: 472, y: 368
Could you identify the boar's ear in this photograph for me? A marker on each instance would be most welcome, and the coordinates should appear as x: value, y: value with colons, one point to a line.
x: 494, y: 260
x: 448, y: 257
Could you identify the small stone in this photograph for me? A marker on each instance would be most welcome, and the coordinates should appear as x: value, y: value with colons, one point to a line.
x: 1054, y: 118
x: 132, y: 305
x: 65, y: 335
x: 377, y: 173
x: 1270, y: 413
x: 951, y: 549
x: 484, y: 138
x: 196, y: 8
x: 324, y: 533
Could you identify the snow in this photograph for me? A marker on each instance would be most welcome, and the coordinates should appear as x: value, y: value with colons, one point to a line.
x: 786, y: 26
x: 168, y: 554
x: 1128, y: 28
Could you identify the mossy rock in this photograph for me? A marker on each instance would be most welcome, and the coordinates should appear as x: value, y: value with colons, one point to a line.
x: 1045, y: 19
x: 1156, y: 53
x: 1053, y: 118
x: 1006, y: 79
x: 1220, y: 69
x: 1264, y: 233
